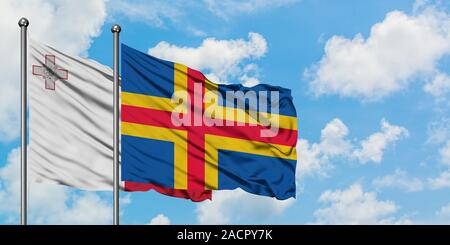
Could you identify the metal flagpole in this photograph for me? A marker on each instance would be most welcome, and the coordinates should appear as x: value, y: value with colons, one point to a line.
x: 23, y: 23
x: 116, y: 30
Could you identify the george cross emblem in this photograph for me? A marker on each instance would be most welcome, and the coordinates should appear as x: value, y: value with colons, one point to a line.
x: 50, y: 72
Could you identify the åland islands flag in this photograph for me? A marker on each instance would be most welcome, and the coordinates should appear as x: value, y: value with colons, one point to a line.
x: 181, y: 131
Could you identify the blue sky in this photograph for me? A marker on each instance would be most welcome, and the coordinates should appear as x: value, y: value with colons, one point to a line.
x: 370, y: 81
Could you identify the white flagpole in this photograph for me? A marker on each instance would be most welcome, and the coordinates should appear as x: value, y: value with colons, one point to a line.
x: 116, y: 30
x: 23, y: 23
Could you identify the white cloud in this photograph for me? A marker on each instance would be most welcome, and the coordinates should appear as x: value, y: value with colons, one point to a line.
x: 441, y: 181
x: 314, y: 159
x: 228, y: 8
x: 332, y: 138
x: 49, y: 204
x: 397, y: 49
x: 228, y: 65
x: 249, y: 81
x: 9, y: 183
x: 445, y: 153
x: 160, y: 219
x: 311, y: 160
x: 250, y: 74
x: 399, y: 179
x: 444, y: 211
x: 154, y: 13
x: 439, y: 86
x: 87, y: 208
x: 439, y: 134
x: 66, y: 25
x: 177, y: 13
x: 373, y: 147
x: 354, y: 206
x: 439, y: 131
x: 232, y: 206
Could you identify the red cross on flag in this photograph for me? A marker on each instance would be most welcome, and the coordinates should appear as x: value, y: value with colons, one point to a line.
x: 50, y: 72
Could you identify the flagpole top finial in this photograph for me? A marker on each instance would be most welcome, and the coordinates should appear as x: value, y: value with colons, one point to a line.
x: 23, y: 22
x: 116, y: 28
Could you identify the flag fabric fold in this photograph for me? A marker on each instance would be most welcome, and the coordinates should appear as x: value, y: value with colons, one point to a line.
x: 70, y: 120
x: 183, y: 132
x: 71, y: 115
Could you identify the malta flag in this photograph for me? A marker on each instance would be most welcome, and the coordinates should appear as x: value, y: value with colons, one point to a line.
x: 70, y: 122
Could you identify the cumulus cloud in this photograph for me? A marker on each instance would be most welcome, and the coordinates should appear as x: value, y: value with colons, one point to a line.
x: 333, y: 140
x: 233, y: 206
x: 227, y: 66
x: 441, y: 181
x: 444, y: 211
x: 9, y: 183
x: 444, y: 152
x: 160, y: 219
x: 154, y: 13
x: 399, y: 179
x: 439, y: 86
x: 228, y: 8
x: 311, y: 160
x: 66, y: 25
x: 316, y: 158
x: 177, y: 13
x: 439, y: 134
x: 85, y: 208
x: 396, y: 50
x: 439, y: 131
x: 49, y: 204
x: 373, y: 147
x: 354, y: 206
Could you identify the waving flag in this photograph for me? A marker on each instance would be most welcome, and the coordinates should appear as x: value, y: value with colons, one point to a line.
x: 71, y: 113
x: 181, y: 131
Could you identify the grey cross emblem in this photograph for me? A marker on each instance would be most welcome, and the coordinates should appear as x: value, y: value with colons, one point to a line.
x: 50, y: 72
